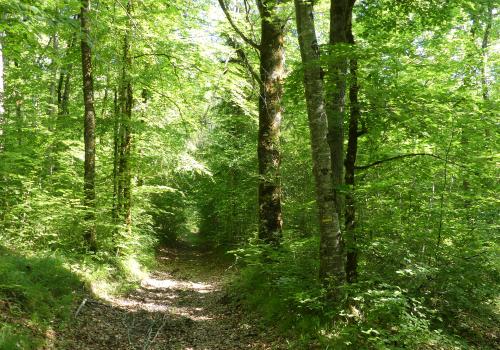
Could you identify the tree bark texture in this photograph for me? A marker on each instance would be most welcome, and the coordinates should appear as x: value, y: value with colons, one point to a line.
x: 331, y: 246
x: 2, y: 91
x: 272, y: 58
x: 116, y: 157
x: 335, y: 103
x: 350, y: 162
x: 89, y: 126
x: 126, y: 102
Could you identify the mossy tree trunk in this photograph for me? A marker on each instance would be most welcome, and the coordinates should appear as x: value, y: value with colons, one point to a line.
x: 272, y: 57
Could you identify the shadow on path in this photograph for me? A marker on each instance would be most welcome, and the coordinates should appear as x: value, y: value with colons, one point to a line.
x: 179, y: 307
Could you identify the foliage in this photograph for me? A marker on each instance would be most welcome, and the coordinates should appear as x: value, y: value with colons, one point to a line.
x: 35, y: 294
x: 425, y: 184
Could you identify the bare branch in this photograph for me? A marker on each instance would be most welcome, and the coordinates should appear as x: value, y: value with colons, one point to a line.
x: 401, y: 156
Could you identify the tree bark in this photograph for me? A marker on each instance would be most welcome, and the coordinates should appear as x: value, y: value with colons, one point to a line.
x: 272, y: 58
x: 2, y: 91
x: 116, y: 158
x: 331, y: 271
x: 126, y: 104
x: 337, y: 68
x: 89, y: 126
x: 350, y: 161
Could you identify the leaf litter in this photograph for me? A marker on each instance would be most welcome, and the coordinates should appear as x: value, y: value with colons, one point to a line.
x: 181, y: 306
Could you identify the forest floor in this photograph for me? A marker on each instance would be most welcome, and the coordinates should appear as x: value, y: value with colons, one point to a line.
x: 180, y: 306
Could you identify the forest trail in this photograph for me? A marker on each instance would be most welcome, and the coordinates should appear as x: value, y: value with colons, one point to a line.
x: 180, y: 306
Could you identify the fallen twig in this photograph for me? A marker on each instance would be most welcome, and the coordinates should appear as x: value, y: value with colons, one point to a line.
x: 80, y: 307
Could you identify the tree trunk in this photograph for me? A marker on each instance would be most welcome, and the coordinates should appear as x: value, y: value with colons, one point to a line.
x: 89, y: 127
x: 484, y: 53
x: 66, y: 92
x: 331, y: 247
x: 350, y: 161
x: 116, y: 158
x: 2, y: 91
x: 126, y: 102
x: 54, y: 67
x: 335, y: 102
x: 272, y: 59
x: 63, y: 89
x: 271, y: 91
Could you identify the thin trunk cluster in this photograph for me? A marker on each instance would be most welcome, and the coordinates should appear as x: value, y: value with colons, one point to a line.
x: 331, y: 252
x: 326, y: 122
x: 64, y: 84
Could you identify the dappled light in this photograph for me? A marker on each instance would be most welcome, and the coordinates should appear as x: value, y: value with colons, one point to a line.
x: 169, y: 311
x: 258, y: 175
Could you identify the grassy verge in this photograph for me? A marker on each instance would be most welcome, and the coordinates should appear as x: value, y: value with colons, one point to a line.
x: 38, y: 294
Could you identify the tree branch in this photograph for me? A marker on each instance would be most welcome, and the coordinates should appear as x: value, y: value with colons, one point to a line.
x: 243, y: 60
x: 153, y: 54
x: 236, y: 29
x: 401, y: 156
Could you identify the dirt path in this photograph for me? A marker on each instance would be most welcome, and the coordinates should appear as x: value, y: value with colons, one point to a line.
x: 179, y: 307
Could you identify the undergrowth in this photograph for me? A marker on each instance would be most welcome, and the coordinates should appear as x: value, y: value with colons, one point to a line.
x: 417, y: 307
x: 38, y: 295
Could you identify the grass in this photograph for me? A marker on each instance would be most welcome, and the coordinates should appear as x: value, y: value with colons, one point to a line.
x: 36, y: 296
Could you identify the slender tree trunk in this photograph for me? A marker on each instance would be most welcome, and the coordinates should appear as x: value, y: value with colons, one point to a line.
x: 350, y: 161
x: 63, y: 89
x: 337, y: 69
x: 60, y: 86
x: 331, y: 247
x: 2, y: 91
x: 116, y: 158
x: 126, y: 101
x: 52, y: 110
x: 66, y: 92
x: 484, y: 53
x: 52, y: 103
x: 89, y: 126
x: 272, y: 58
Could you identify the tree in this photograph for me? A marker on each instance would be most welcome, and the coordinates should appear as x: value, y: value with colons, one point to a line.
x: 2, y: 107
x: 331, y: 253
x: 337, y: 69
x: 271, y: 56
x: 89, y: 125
x: 350, y: 159
x: 125, y: 110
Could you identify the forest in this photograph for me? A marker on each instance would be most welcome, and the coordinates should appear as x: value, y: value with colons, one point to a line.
x: 249, y: 174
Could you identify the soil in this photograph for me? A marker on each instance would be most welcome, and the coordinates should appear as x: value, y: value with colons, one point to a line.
x: 180, y: 306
